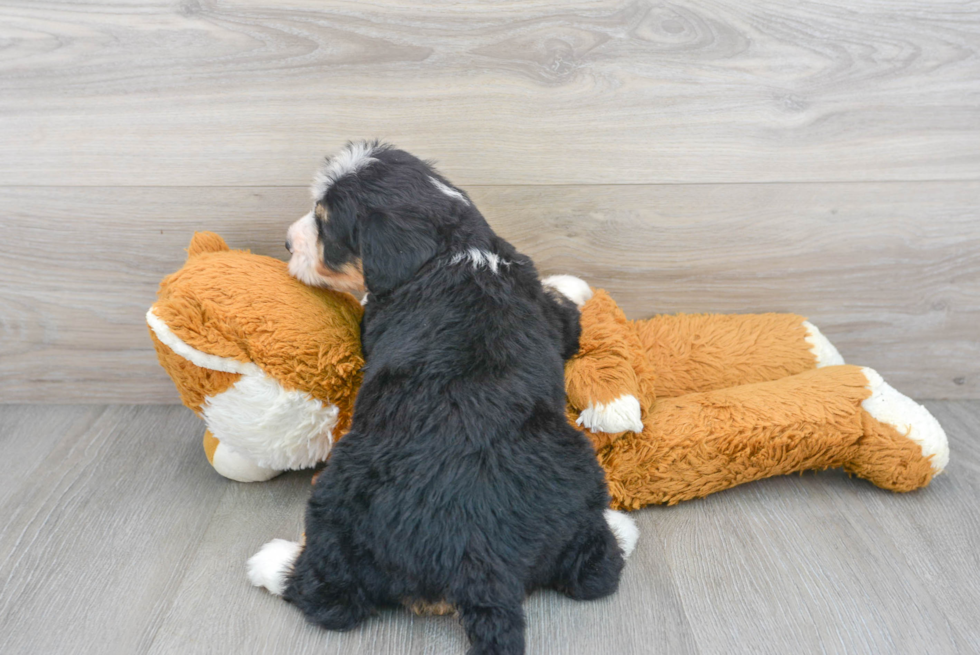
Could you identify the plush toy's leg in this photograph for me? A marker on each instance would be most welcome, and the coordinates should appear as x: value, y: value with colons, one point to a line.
x: 693, y: 353
x: 839, y: 416
x: 233, y: 466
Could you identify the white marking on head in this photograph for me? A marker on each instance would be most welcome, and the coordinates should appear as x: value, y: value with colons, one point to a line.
x: 821, y: 347
x: 273, y: 563
x: 351, y: 159
x: 574, y: 288
x: 908, y: 417
x: 624, y: 529
x: 480, y: 258
x: 449, y: 191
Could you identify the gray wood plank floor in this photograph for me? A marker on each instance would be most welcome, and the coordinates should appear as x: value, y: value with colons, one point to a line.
x: 116, y: 537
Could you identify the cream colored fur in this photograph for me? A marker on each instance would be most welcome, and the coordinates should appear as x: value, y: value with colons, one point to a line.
x: 820, y: 346
x: 276, y: 427
x: 619, y: 415
x: 908, y: 417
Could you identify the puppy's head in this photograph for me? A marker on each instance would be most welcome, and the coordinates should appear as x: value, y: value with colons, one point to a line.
x: 379, y: 215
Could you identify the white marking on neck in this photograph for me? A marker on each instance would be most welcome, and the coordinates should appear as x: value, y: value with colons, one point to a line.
x: 449, y: 191
x: 351, y: 159
x: 480, y: 258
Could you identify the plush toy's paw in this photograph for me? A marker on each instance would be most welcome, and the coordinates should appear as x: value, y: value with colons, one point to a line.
x: 625, y: 530
x: 573, y: 288
x: 907, y: 416
x: 237, y: 467
x: 269, y: 567
x: 620, y: 415
x: 820, y: 346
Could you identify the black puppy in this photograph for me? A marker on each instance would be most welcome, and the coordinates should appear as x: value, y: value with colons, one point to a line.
x: 460, y: 480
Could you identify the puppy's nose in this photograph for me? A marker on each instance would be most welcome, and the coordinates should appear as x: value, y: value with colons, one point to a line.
x: 289, y: 247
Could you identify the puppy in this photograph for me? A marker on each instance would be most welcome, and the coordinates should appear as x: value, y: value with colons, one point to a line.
x: 460, y: 480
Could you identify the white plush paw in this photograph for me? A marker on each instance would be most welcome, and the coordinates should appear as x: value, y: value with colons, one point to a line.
x: 820, y: 346
x: 908, y: 417
x: 620, y: 415
x: 573, y: 288
x: 235, y: 466
x: 272, y: 564
x: 625, y: 530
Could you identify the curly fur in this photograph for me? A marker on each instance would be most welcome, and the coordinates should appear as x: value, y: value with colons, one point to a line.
x: 460, y: 479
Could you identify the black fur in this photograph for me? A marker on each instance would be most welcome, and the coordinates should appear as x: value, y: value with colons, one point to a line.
x: 460, y: 479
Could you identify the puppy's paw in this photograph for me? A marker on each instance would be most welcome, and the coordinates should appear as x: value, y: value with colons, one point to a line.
x: 620, y: 415
x: 573, y: 288
x: 272, y: 564
x: 624, y: 529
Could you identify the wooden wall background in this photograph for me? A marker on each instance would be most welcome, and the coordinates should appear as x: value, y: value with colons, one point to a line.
x: 818, y: 157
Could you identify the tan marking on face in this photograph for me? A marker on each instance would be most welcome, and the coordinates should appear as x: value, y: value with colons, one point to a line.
x: 306, y: 264
x: 349, y: 278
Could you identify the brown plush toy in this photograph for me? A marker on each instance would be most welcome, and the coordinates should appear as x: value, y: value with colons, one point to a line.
x: 682, y: 406
x: 677, y: 406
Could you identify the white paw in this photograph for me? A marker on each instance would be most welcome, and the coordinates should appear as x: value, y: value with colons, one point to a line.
x: 269, y: 567
x: 625, y: 530
x: 908, y: 417
x: 237, y: 467
x: 573, y: 288
x: 821, y: 347
x: 620, y: 415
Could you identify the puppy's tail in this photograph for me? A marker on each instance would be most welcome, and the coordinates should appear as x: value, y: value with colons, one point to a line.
x: 491, y: 614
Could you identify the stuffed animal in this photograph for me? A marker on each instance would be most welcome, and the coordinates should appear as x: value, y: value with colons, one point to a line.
x: 677, y: 406
x: 270, y: 364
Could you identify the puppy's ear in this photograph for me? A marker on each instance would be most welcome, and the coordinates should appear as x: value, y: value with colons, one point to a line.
x: 393, y: 248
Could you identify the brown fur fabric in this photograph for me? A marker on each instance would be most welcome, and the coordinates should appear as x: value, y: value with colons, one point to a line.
x: 724, y: 399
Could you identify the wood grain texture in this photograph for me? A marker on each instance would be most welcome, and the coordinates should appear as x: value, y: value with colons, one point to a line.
x: 890, y: 272
x: 824, y: 563
x: 216, y: 606
x: 120, y: 538
x: 93, y: 542
x: 251, y: 93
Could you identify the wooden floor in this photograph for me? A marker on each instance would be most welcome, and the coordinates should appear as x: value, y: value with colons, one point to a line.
x: 116, y: 537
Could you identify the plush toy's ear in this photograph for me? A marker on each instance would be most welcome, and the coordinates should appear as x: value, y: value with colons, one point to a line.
x: 203, y: 242
x: 393, y: 248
